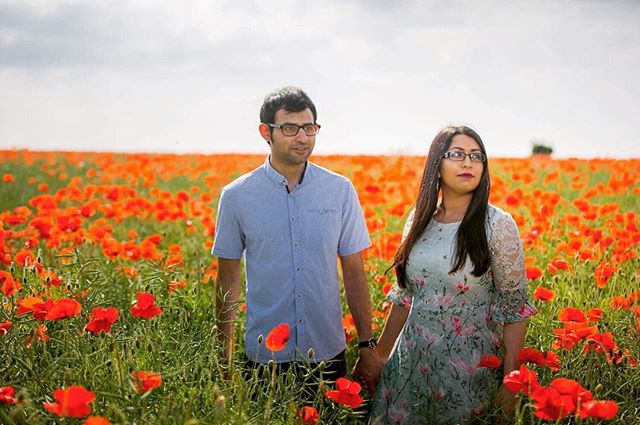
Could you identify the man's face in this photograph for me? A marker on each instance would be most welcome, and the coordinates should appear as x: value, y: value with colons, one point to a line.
x: 291, y: 150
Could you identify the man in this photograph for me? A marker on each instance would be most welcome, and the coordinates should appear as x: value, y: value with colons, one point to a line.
x: 291, y: 219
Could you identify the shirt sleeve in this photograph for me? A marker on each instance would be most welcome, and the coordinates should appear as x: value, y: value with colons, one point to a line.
x: 511, y: 302
x: 397, y: 295
x: 354, y: 236
x: 229, y: 240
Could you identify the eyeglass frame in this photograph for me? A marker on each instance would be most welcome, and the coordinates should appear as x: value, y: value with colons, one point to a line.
x: 292, y: 124
x: 483, y: 157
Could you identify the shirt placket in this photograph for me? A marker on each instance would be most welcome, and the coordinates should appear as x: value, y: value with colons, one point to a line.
x: 296, y: 257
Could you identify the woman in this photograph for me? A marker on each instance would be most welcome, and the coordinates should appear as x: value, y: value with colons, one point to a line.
x: 461, y: 293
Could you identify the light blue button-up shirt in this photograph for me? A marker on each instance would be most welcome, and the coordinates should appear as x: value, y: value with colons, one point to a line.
x: 290, y: 242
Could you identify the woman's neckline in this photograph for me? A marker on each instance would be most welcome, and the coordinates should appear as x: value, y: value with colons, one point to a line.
x: 444, y: 224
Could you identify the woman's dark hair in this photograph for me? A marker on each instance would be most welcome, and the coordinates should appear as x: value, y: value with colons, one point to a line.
x: 291, y: 99
x: 471, y: 238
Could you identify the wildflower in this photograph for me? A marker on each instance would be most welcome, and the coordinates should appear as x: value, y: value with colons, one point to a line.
x: 145, y: 307
x: 101, y: 319
x: 96, y: 420
x: 308, y: 415
x: 4, y: 327
x: 570, y: 314
x: 491, y: 361
x: 531, y: 355
x: 7, y: 284
x: 521, y: 381
x: 346, y: 393
x: 7, y: 395
x: 144, y: 381
x: 551, y: 405
x: 533, y: 273
x: 604, y: 409
x: 278, y: 337
x: 595, y: 314
x: 72, y: 402
x: 63, y: 308
x: 544, y: 294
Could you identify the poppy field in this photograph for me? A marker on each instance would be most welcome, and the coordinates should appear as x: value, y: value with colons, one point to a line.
x: 107, y: 289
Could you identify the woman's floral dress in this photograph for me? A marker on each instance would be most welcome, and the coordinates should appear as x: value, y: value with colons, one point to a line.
x: 432, y: 375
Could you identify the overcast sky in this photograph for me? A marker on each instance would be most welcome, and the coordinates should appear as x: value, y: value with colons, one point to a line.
x: 189, y: 76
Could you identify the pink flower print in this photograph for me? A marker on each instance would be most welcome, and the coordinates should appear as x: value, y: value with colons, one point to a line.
x: 456, y: 323
x: 444, y: 301
x: 462, y: 366
x: 398, y: 415
x: 387, y: 394
x: 420, y: 281
x: 424, y: 369
x: 526, y: 311
x: 462, y: 287
x: 437, y: 393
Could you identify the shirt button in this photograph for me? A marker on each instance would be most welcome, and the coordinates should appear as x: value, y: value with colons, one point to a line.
x: 298, y: 269
x: 295, y: 244
x: 293, y: 219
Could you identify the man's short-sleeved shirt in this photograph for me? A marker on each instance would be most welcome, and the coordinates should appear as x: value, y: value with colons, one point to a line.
x: 290, y: 242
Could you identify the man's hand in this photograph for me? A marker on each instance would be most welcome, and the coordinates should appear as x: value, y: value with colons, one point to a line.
x: 367, y: 369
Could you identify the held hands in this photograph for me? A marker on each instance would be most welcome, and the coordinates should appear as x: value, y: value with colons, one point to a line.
x: 368, y: 368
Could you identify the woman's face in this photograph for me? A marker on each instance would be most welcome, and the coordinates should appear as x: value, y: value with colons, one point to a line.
x: 461, y: 177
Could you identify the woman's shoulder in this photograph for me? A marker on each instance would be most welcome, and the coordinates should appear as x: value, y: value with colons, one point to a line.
x: 499, y: 217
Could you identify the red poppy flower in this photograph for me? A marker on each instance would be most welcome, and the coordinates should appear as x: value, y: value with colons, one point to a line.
x: 278, y: 337
x: 144, y: 381
x: 7, y: 395
x: 145, y: 306
x: 604, y: 409
x: 544, y: 294
x: 101, y: 319
x: 308, y: 415
x: 533, y: 273
x: 521, y: 381
x: 63, y: 308
x: 570, y: 314
x: 96, y: 420
x: 7, y: 284
x: 600, y: 343
x: 551, y: 405
x: 72, y: 402
x: 571, y: 388
x: 346, y: 393
x: 491, y: 361
x: 595, y: 314
x: 26, y: 305
x: 4, y: 327
x: 531, y: 355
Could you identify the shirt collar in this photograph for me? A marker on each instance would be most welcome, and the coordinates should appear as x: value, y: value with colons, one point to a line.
x: 281, y: 180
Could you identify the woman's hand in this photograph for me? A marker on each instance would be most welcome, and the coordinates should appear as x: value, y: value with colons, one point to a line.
x: 506, y: 402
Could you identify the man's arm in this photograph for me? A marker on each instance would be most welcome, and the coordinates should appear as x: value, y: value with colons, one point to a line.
x: 227, y: 299
x: 357, y: 292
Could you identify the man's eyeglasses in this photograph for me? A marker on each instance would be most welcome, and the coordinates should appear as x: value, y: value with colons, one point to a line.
x: 461, y: 156
x: 293, y: 129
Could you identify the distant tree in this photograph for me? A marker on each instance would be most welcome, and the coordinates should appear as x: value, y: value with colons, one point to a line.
x: 538, y: 147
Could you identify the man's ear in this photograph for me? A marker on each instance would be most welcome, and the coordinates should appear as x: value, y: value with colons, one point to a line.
x: 265, y: 132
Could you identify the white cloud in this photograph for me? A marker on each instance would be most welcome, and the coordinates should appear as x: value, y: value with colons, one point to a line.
x: 142, y: 75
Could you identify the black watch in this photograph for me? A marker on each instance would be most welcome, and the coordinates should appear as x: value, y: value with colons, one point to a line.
x: 370, y: 343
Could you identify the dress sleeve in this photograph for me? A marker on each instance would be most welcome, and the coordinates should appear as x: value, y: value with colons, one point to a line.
x: 511, y: 302
x: 397, y: 295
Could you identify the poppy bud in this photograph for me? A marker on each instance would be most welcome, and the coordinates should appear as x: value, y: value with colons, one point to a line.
x: 68, y: 286
x: 310, y: 353
x: 260, y: 338
x: 12, y: 268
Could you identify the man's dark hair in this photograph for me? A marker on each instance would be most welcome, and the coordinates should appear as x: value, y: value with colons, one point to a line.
x: 291, y: 99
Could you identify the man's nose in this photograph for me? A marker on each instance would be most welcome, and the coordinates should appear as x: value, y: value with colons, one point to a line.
x: 301, y: 135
